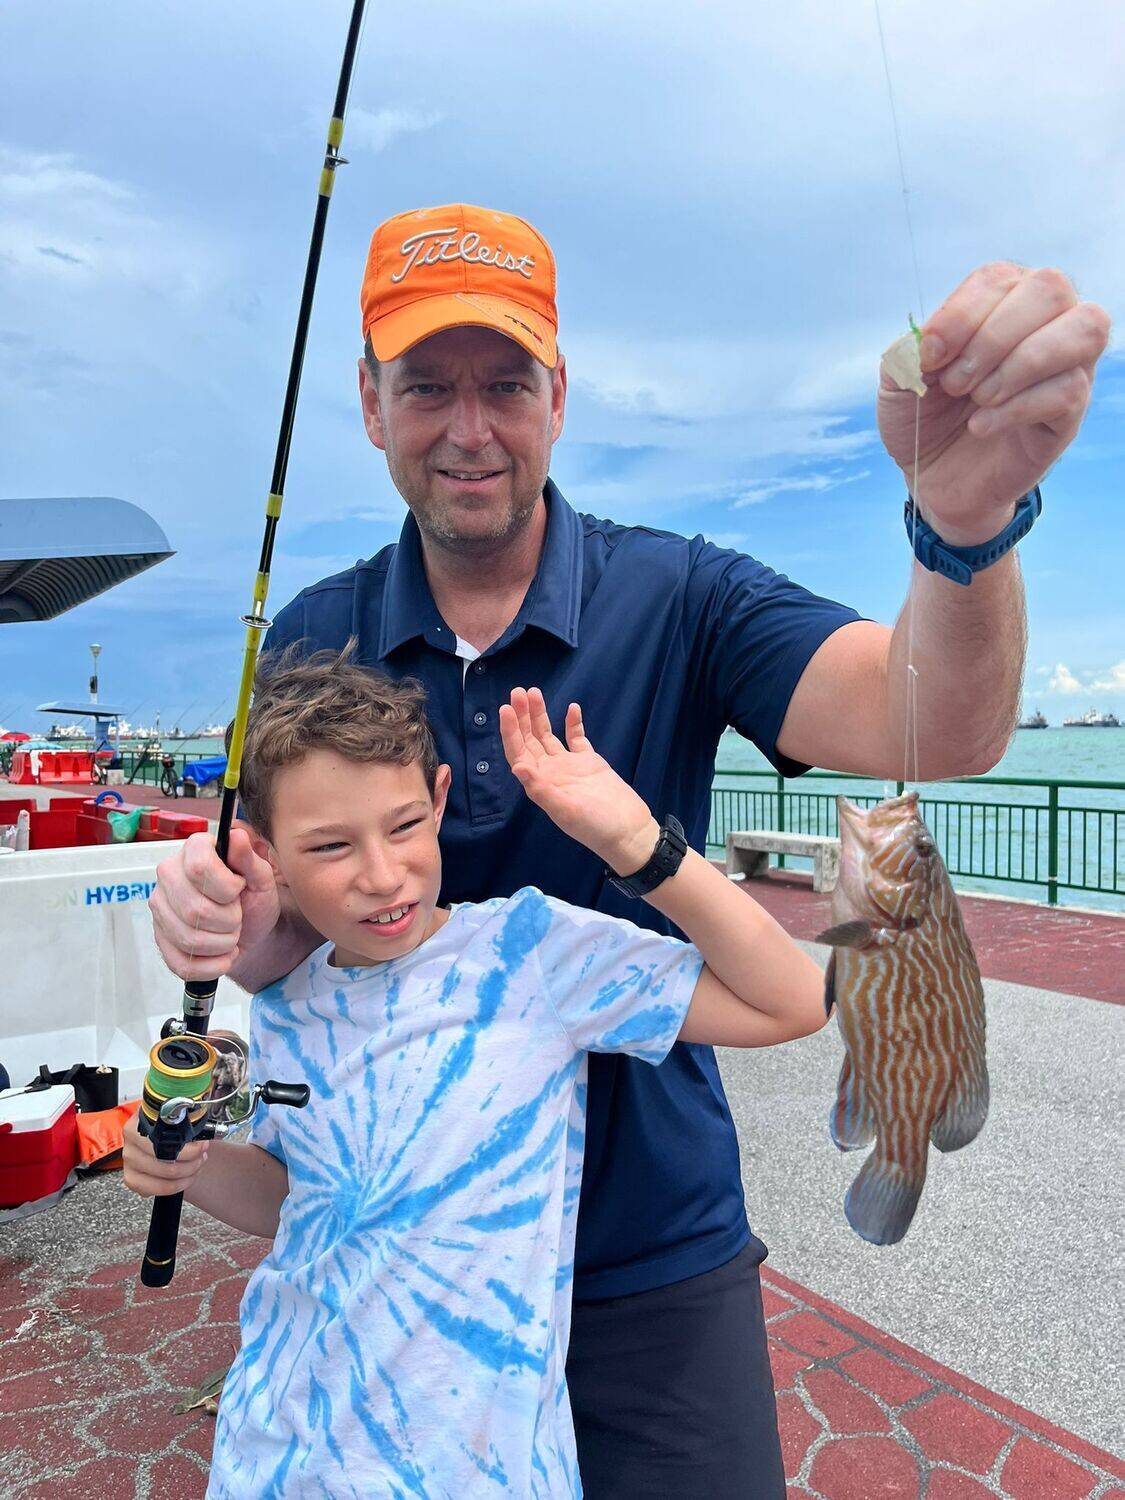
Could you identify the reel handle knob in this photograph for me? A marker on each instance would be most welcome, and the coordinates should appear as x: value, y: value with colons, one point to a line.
x: 294, y: 1094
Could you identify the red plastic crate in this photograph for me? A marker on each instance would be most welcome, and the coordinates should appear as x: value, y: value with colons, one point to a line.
x: 180, y: 825
x: 10, y: 811
x: 57, y: 829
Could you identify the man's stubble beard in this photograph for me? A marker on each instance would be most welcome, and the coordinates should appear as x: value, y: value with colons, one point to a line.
x: 437, y: 524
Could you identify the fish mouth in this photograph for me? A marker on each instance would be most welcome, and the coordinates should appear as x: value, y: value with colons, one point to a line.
x: 858, y: 817
x: 864, y: 832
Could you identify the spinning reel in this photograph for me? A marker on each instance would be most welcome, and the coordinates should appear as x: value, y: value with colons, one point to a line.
x: 197, y: 1088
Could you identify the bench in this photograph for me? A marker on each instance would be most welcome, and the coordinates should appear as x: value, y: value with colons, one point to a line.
x: 748, y: 854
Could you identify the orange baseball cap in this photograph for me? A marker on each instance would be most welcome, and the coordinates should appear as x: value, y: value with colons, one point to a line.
x: 437, y: 268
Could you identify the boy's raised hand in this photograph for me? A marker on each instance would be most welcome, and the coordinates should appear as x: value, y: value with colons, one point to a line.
x: 574, y: 785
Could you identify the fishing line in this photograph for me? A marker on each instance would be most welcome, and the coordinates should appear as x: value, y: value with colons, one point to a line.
x: 910, y: 746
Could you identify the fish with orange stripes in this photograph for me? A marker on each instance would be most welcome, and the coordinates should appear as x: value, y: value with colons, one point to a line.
x: 910, y: 1005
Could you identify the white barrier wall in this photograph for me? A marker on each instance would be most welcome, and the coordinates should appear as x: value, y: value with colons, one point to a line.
x: 81, y: 979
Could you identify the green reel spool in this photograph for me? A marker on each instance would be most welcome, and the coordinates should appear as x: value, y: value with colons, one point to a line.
x: 179, y: 1067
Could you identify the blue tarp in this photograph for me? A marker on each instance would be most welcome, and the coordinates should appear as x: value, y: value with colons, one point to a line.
x: 205, y: 770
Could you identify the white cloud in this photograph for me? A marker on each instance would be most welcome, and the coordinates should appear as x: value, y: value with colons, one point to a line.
x: 377, y: 129
x: 68, y: 226
x: 1107, y: 680
x: 1112, y: 682
x: 816, y: 482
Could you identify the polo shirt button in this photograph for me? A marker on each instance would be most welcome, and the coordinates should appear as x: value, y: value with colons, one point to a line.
x: 478, y: 667
x: 482, y: 766
x: 480, y: 718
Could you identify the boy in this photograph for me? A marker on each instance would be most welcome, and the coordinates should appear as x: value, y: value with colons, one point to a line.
x: 407, y: 1333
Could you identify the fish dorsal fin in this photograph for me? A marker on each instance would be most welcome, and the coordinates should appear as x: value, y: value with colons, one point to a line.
x: 848, y: 935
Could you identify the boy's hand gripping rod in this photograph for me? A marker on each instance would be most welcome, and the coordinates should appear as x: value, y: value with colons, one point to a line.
x: 181, y: 1099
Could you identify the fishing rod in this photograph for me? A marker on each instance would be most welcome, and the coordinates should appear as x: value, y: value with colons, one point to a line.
x: 179, y: 1100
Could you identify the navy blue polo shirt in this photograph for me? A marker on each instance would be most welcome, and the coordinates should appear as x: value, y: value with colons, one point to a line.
x: 664, y: 642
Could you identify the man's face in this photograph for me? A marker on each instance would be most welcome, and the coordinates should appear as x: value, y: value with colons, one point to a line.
x: 467, y: 419
x: 355, y: 842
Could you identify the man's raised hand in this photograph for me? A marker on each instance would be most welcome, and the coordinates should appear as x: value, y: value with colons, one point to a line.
x: 204, y: 915
x: 577, y: 789
x: 1009, y: 359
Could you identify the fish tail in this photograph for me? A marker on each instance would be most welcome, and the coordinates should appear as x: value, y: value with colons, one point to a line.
x: 881, y: 1201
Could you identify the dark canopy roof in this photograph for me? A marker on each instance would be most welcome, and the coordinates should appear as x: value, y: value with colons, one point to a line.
x: 57, y: 553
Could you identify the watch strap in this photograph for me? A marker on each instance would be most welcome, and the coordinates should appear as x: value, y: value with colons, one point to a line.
x: 960, y: 563
x: 665, y: 860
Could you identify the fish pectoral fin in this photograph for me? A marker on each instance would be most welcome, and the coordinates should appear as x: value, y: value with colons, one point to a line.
x: 965, y: 1111
x: 880, y: 1203
x: 851, y: 1120
x: 848, y: 935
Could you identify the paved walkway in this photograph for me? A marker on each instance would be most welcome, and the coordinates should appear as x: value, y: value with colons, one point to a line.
x: 92, y: 1365
x: 863, y: 1417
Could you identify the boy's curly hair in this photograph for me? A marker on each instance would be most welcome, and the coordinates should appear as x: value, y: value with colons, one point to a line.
x: 327, y: 701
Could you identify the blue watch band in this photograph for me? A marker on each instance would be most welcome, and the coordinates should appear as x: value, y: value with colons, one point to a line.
x: 960, y: 563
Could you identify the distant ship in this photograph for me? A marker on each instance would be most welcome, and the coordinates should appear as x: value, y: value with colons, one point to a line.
x: 1093, y: 720
x: 1034, y: 721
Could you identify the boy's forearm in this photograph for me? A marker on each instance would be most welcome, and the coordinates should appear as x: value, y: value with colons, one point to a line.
x: 740, y: 942
x: 243, y: 1186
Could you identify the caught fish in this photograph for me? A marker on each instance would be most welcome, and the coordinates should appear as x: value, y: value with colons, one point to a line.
x: 910, y: 1006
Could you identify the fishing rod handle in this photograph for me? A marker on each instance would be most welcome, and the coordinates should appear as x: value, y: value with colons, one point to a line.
x: 159, y: 1263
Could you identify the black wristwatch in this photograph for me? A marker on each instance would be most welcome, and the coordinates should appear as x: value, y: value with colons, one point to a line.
x: 666, y: 860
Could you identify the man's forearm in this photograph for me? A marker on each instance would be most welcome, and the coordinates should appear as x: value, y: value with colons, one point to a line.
x: 967, y: 646
x: 243, y: 1186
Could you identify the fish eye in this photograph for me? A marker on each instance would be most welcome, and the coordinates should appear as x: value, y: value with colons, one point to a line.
x: 925, y: 847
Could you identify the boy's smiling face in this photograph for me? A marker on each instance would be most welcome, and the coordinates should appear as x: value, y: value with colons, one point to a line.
x: 356, y: 842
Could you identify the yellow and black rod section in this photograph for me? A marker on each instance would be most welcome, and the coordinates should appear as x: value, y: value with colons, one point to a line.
x: 174, y: 1111
x: 199, y: 995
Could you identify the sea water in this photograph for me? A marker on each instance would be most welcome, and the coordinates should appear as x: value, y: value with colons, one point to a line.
x: 1051, y: 754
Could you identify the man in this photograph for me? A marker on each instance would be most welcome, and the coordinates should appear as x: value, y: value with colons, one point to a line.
x: 496, y: 583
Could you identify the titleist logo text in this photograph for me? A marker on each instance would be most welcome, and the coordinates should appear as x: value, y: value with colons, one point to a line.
x: 432, y: 245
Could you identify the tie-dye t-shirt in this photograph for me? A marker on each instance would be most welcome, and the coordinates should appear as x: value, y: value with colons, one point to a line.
x: 406, y: 1335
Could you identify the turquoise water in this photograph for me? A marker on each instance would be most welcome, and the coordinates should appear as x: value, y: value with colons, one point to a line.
x: 1068, y: 754
x: 983, y: 831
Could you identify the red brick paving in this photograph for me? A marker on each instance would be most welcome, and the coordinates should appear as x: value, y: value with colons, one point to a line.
x: 892, y: 1422
x: 92, y: 1365
x: 1074, y: 952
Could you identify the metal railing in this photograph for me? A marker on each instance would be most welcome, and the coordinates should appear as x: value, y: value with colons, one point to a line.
x: 1063, y: 834
x: 145, y: 770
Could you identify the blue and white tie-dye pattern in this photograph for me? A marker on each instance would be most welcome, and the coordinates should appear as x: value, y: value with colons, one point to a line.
x: 406, y: 1335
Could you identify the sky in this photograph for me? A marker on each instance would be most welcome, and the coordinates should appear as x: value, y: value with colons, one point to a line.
x: 721, y: 188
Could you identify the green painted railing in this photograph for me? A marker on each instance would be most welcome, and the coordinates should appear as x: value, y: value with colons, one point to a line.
x: 1063, y: 835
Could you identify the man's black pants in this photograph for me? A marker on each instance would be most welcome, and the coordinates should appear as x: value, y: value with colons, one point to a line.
x: 672, y: 1393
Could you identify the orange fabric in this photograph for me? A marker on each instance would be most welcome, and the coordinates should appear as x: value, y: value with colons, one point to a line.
x: 437, y: 268
x: 101, y: 1134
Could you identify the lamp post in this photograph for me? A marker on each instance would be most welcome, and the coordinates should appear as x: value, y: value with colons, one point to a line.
x: 95, y: 651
